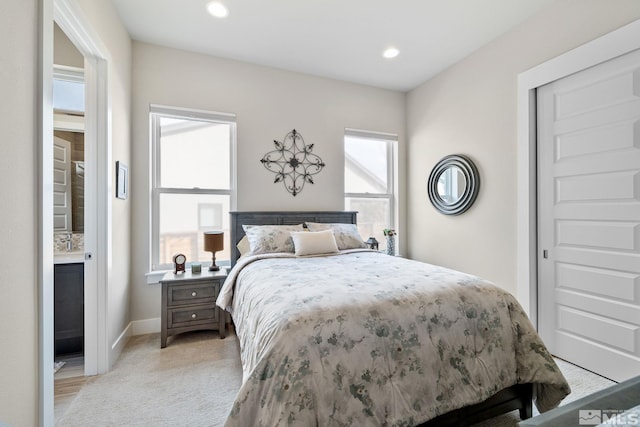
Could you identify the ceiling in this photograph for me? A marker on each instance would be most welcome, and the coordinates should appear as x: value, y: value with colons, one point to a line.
x: 340, y: 39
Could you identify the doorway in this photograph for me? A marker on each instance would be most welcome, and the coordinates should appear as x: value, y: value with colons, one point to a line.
x: 97, y: 158
x: 68, y: 221
x: 68, y: 16
x: 589, y: 217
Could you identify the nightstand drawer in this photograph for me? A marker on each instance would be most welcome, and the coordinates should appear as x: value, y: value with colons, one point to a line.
x: 196, y: 293
x: 190, y: 316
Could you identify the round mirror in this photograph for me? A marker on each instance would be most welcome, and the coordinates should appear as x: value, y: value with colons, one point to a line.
x: 453, y: 184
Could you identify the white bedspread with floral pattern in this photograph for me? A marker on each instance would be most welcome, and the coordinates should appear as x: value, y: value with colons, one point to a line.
x: 367, y: 339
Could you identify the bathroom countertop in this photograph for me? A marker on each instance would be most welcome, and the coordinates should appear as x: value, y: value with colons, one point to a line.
x: 68, y: 257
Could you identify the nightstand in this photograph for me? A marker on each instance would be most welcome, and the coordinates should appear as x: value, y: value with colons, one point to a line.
x: 189, y: 303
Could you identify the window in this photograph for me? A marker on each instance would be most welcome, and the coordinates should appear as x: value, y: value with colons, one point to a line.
x: 369, y: 181
x: 68, y: 89
x: 193, y: 182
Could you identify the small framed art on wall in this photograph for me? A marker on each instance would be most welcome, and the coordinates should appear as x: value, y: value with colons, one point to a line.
x: 122, y: 180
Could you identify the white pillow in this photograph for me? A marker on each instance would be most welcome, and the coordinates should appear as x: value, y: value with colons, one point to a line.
x: 346, y: 235
x: 314, y: 243
x: 270, y: 238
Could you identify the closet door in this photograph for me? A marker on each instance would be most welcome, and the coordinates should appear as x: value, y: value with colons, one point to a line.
x: 589, y: 217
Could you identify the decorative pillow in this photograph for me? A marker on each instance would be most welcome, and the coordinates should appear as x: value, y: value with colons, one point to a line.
x: 314, y: 242
x: 270, y: 238
x: 346, y: 235
x: 243, y: 246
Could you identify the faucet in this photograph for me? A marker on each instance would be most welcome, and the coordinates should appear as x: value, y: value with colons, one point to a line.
x: 69, y: 242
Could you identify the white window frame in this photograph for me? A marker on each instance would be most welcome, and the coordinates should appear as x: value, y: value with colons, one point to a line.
x: 392, y: 140
x: 63, y: 73
x: 155, y: 113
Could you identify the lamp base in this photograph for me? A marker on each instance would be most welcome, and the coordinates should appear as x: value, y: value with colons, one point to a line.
x: 213, y: 266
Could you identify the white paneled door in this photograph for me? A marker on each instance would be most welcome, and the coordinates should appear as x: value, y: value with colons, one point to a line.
x: 589, y: 217
x: 61, y: 185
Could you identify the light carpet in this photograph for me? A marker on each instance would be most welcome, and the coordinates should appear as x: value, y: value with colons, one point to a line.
x: 193, y: 382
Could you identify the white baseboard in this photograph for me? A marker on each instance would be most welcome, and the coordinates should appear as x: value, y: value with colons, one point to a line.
x: 137, y: 327
x: 118, y: 345
x: 146, y: 326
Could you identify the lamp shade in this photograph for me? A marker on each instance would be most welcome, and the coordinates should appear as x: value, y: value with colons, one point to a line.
x: 213, y: 241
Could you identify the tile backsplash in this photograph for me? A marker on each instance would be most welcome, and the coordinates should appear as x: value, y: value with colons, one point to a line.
x: 60, y: 242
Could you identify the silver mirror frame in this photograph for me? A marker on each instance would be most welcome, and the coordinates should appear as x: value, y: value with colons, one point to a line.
x: 472, y: 184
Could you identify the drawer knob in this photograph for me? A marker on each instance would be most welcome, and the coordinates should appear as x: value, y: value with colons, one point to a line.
x: 193, y: 316
x: 194, y: 293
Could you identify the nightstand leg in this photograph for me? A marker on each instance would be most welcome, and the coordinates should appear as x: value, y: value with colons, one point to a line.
x: 222, y: 327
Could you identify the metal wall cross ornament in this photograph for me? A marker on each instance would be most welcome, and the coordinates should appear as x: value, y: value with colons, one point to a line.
x: 293, y: 162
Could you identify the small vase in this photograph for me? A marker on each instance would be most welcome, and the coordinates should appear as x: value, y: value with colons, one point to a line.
x: 391, y: 245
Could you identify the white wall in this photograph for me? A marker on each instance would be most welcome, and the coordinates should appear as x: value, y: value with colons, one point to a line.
x: 18, y: 213
x: 471, y: 109
x: 268, y: 104
x: 103, y: 18
x: 64, y: 52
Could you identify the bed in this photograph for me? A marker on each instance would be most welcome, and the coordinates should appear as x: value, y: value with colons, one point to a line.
x: 362, y: 338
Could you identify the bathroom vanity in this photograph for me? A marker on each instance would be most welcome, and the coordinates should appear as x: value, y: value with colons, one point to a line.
x: 68, y: 308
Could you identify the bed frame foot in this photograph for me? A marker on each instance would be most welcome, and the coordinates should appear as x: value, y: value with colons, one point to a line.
x: 526, y: 411
x: 517, y: 397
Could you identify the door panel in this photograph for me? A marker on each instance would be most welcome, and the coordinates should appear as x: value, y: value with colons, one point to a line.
x: 579, y: 278
x: 589, y: 217
x: 61, y: 185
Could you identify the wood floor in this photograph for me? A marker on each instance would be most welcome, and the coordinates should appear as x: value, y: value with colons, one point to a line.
x: 67, y: 382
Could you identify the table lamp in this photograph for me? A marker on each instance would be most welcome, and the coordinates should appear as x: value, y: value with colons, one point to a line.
x: 213, y: 242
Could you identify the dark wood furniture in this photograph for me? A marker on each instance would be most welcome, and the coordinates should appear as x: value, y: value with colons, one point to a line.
x: 515, y: 397
x: 189, y: 303
x: 607, y: 402
x: 518, y: 396
x: 68, y: 318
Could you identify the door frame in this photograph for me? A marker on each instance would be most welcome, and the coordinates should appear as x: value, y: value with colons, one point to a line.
x: 97, y: 241
x: 68, y: 15
x: 611, y: 45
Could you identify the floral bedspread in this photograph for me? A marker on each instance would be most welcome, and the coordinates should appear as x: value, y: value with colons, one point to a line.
x: 362, y: 338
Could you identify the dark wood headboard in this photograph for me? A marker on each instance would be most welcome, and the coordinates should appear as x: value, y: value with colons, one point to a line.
x: 281, y: 218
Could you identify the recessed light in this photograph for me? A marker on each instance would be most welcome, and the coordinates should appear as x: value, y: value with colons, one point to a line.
x: 217, y: 9
x: 390, y: 52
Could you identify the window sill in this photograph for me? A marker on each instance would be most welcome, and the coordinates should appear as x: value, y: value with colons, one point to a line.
x: 154, y: 277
